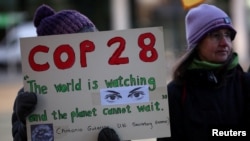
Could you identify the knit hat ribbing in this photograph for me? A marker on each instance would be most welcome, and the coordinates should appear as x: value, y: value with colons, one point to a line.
x: 203, y: 19
x: 48, y: 22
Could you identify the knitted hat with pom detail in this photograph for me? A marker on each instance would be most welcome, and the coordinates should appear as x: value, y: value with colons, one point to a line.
x: 49, y: 22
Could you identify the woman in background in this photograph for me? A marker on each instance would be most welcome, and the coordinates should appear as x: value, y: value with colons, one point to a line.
x: 208, y: 93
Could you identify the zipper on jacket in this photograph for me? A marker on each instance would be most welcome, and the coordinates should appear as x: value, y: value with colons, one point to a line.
x: 212, y: 77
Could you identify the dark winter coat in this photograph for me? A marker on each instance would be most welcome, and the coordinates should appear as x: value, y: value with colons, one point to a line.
x: 205, y: 102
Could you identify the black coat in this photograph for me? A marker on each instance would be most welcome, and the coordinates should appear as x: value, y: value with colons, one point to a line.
x: 205, y: 102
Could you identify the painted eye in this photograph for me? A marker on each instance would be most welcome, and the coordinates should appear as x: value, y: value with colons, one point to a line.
x: 136, y: 95
x: 113, y: 97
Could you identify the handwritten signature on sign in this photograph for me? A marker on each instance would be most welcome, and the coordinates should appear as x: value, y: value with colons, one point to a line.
x: 187, y: 4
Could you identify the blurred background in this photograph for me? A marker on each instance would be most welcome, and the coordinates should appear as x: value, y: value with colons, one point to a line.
x: 16, y: 22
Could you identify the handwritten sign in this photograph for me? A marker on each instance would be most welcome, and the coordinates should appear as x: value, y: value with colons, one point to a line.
x: 88, y: 81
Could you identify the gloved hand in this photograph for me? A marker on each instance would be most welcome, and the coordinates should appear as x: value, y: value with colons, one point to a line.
x: 25, y: 104
x: 108, y: 134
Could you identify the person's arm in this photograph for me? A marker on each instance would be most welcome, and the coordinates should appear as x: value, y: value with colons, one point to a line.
x: 24, y: 104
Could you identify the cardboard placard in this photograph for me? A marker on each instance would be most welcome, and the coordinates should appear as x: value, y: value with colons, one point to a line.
x: 82, y: 80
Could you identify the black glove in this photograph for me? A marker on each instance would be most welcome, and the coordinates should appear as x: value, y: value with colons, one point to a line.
x: 108, y: 134
x: 25, y: 104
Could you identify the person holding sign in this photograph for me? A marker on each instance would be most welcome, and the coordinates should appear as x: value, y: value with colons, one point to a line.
x: 49, y: 22
x: 208, y: 94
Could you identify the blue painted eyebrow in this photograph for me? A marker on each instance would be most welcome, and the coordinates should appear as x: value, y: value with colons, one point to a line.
x: 111, y: 91
x: 135, y: 89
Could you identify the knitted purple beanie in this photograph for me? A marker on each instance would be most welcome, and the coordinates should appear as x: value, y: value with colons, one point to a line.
x: 48, y: 22
x: 203, y: 19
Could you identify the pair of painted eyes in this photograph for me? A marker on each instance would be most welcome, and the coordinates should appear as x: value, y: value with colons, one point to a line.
x: 113, y: 96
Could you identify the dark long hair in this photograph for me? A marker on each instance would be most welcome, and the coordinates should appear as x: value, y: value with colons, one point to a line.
x: 182, y: 65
